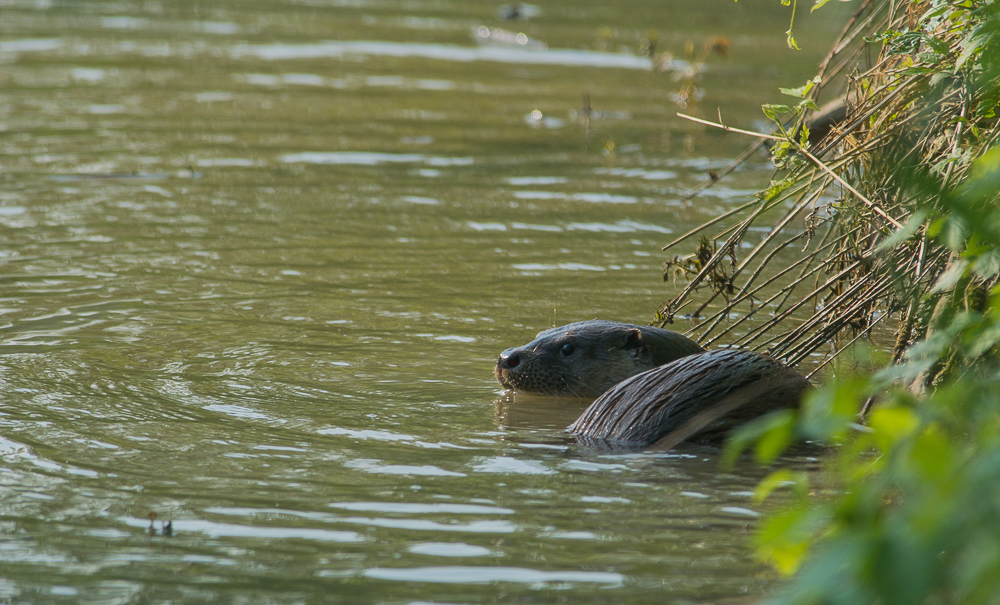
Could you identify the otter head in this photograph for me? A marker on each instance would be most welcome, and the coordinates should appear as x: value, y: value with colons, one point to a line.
x: 582, y: 359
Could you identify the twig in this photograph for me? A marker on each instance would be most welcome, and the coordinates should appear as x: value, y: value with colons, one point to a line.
x: 704, y: 226
x: 811, y: 157
x: 730, y: 128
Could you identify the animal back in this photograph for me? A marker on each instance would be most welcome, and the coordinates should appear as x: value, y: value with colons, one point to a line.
x: 713, y: 390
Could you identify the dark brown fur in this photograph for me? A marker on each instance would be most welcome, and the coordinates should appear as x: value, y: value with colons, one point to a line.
x: 699, y: 397
x: 603, y: 354
x: 828, y: 117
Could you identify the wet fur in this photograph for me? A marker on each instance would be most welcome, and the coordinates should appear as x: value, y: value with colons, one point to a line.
x: 605, y: 353
x: 700, y: 397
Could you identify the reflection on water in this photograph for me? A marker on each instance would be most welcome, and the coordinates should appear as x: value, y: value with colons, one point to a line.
x: 372, y: 159
x: 259, y: 259
x: 481, y: 575
x: 520, y: 53
x: 528, y: 412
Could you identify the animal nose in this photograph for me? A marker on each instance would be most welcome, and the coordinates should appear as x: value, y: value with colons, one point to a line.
x: 509, y: 359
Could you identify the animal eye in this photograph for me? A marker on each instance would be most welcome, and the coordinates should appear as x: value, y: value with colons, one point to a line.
x: 567, y: 349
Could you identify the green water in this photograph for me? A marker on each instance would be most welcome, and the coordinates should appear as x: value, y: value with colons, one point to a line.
x: 258, y: 260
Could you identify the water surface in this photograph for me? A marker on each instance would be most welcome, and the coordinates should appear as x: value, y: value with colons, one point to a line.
x: 259, y: 259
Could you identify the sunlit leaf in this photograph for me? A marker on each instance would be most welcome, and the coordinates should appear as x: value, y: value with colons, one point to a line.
x: 803, y: 90
x: 910, y: 227
x: 804, y: 136
x: 970, y: 47
x: 750, y: 432
x: 891, y: 424
x: 791, y: 41
x: 783, y: 539
x: 828, y: 411
x: 954, y: 272
x: 775, y: 189
x: 781, y: 478
x: 774, y: 112
x: 776, y: 440
x: 982, y: 339
x: 787, y: 557
x: 988, y: 264
x: 934, y: 228
x: 807, y: 104
x: 985, y: 179
x: 911, y: 490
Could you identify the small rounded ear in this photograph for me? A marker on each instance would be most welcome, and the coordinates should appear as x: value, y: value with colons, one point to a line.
x: 635, y: 344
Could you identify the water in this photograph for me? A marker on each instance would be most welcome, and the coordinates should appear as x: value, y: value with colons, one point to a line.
x: 259, y: 259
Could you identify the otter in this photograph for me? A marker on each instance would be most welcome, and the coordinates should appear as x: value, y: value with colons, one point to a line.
x: 825, y: 119
x: 699, y: 398
x: 586, y: 358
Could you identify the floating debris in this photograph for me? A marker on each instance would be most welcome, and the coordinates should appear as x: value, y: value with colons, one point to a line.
x: 166, y: 527
x: 536, y: 119
x: 502, y: 37
x: 518, y: 11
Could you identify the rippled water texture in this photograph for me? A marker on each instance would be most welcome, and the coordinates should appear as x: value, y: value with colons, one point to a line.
x: 259, y: 259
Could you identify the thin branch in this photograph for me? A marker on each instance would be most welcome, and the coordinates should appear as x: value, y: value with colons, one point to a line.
x: 811, y: 157
x: 730, y: 128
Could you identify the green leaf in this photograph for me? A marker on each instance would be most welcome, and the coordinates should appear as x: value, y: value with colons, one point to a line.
x: 776, y: 439
x: 891, y: 425
x: 803, y: 90
x: 933, y: 453
x: 985, y: 179
x: 791, y: 40
x: 807, y: 104
x: 799, y: 92
x: 819, y: 4
x: 896, y: 239
x: 983, y: 339
x: 828, y: 412
x: 774, y: 111
x: 950, y: 276
x: 743, y: 436
x: 775, y: 189
x: 954, y: 232
x: 936, y: 11
x: 783, y: 539
x: 936, y: 227
x: 970, y: 47
x: 938, y: 45
x: 804, y: 136
x: 988, y: 264
x: 782, y: 478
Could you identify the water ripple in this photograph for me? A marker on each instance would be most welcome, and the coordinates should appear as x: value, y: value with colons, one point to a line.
x: 443, y: 52
x: 482, y: 575
x: 230, y: 530
x: 420, y: 508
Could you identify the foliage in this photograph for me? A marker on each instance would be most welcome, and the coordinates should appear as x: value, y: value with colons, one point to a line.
x: 901, y: 221
x: 792, y: 43
x: 909, y: 510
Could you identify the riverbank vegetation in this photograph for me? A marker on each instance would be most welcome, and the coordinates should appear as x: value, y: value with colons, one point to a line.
x: 896, y: 214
